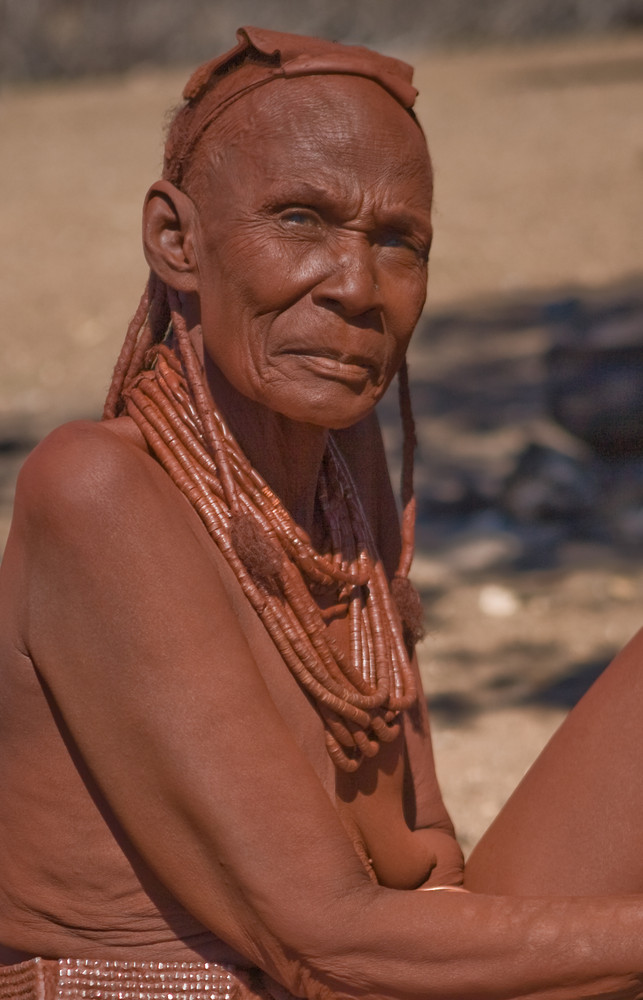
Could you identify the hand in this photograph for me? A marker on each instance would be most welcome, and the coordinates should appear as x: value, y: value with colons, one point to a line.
x: 449, y: 865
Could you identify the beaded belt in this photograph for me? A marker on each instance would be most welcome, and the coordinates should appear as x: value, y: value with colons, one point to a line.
x: 89, y: 979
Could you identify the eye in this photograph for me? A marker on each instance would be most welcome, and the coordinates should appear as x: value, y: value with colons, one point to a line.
x: 398, y: 240
x: 395, y: 240
x: 300, y: 216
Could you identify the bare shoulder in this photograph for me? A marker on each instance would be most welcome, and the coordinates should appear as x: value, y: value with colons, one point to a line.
x: 81, y: 471
x: 75, y: 459
x: 91, y: 502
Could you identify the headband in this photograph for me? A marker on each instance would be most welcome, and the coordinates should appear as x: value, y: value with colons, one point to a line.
x: 261, y: 56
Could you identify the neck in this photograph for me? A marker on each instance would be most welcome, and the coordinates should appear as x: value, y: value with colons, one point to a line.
x: 286, y: 453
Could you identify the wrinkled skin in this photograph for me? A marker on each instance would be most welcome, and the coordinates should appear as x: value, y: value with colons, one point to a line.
x: 311, y: 243
x: 312, y: 246
x: 166, y: 791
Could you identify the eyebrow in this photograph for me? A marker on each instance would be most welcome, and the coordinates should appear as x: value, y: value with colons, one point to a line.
x: 407, y: 219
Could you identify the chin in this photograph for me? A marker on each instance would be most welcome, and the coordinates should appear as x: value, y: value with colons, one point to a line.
x: 331, y: 415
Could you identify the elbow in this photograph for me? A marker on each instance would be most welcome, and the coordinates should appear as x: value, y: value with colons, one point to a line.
x: 313, y: 956
x: 318, y: 974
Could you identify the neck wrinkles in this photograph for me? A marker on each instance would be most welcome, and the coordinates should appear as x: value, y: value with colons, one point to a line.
x: 285, y: 452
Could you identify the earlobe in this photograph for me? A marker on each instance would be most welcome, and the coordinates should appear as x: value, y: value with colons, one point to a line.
x: 168, y: 236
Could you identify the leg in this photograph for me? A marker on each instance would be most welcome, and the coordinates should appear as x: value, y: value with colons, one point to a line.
x: 574, y: 825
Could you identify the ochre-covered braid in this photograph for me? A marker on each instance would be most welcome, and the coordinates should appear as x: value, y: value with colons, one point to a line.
x: 406, y: 596
x: 359, y: 695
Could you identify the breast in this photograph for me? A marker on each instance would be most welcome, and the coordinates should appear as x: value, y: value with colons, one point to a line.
x: 294, y: 706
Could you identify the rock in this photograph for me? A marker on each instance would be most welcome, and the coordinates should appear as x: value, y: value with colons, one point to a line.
x: 485, y: 544
x: 548, y: 484
x: 449, y: 490
x: 497, y: 602
x: 595, y: 379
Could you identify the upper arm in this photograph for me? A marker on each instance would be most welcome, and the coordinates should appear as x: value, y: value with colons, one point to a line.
x: 132, y: 631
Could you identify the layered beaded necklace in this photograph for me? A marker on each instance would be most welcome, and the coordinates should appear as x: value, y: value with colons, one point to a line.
x: 359, y: 696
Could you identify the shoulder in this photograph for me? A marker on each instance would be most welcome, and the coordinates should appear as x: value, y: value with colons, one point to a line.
x: 84, y: 471
x: 98, y: 524
x: 81, y: 453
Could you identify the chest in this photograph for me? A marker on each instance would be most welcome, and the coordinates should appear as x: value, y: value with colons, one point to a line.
x: 372, y: 802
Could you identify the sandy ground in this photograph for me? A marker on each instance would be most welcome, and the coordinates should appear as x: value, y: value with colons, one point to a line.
x: 539, y: 162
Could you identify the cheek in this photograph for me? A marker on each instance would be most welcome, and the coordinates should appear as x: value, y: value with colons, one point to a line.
x: 266, y: 272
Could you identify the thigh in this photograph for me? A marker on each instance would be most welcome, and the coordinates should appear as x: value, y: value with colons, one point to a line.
x: 574, y: 825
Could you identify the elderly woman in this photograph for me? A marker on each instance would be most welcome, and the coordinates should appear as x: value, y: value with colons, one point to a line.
x: 216, y: 768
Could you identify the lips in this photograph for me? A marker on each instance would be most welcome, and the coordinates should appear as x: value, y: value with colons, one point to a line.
x: 342, y: 365
x: 353, y: 370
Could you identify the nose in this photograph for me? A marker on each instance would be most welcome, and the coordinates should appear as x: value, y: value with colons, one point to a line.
x: 350, y: 287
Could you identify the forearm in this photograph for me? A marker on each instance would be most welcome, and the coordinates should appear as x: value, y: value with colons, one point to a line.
x: 453, y: 945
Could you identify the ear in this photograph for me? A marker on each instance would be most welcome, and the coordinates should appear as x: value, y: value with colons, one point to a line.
x: 169, y: 219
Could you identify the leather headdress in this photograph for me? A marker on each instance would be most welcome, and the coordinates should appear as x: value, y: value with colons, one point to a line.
x: 260, y: 57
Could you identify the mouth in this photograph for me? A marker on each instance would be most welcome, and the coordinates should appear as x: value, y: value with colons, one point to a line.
x: 353, y: 369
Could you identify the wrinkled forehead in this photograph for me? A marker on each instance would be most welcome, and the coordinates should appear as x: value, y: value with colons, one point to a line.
x: 263, y: 58
x: 340, y: 126
x: 316, y: 109
x: 340, y: 142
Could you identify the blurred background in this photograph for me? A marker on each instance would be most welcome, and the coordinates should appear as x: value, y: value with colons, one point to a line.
x: 42, y: 39
x: 526, y: 368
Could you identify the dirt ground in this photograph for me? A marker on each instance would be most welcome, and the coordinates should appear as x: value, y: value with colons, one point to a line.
x: 539, y: 165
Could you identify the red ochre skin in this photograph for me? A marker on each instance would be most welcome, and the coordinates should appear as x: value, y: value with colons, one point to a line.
x: 166, y: 793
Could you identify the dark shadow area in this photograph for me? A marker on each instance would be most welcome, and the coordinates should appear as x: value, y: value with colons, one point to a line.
x: 15, y: 445
x: 529, y: 414
x: 453, y: 708
x: 524, y: 689
x: 530, y: 421
x: 566, y: 691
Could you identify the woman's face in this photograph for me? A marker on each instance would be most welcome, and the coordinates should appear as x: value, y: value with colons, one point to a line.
x: 312, y: 244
